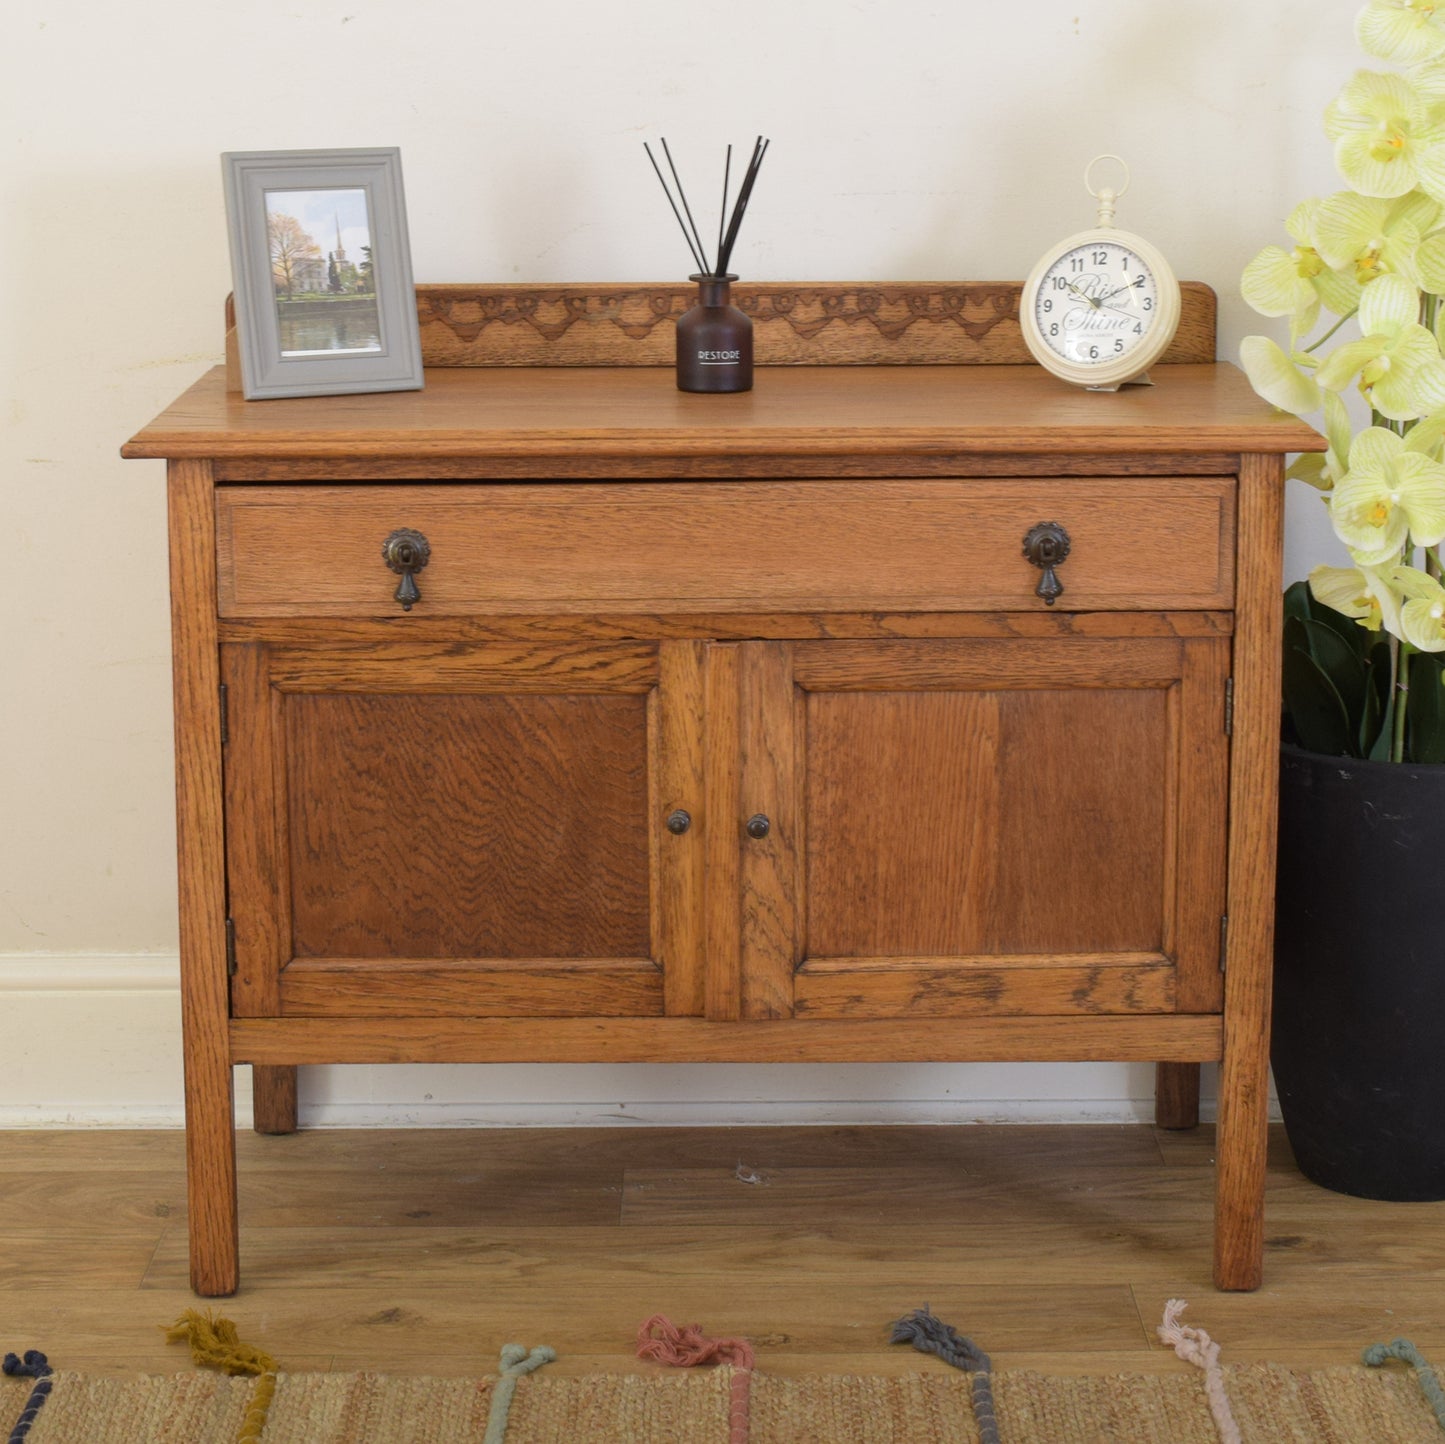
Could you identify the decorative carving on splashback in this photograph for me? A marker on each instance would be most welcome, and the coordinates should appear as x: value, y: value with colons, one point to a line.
x: 458, y: 318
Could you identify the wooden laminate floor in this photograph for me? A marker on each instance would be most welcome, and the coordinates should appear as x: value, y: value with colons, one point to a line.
x: 425, y: 1251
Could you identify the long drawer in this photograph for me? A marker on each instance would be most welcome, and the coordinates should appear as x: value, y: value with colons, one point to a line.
x: 1135, y: 543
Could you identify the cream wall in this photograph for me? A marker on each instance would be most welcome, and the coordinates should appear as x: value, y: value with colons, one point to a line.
x: 912, y: 139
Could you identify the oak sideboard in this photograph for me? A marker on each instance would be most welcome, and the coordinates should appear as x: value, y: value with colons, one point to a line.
x: 912, y: 706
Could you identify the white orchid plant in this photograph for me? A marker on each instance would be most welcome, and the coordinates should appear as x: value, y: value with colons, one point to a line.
x: 1365, y: 644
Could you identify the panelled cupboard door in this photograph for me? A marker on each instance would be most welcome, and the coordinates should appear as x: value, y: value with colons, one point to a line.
x: 463, y: 830
x: 960, y: 828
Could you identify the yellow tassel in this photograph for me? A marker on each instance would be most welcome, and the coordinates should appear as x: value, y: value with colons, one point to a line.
x: 216, y: 1345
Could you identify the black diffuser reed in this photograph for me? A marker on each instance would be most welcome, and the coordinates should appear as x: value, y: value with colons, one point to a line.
x: 714, y: 338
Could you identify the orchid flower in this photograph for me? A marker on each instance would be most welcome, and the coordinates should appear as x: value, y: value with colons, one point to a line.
x: 1397, y: 360
x: 1293, y: 283
x: 1390, y: 495
x: 1358, y: 592
x: 1369, y: 236
x: 1422, y: 618
x: 1388, y: 137
x: 1277, y: 376
x: 1404, y: 31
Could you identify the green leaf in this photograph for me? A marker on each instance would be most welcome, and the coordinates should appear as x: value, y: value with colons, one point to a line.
x: 1425, y: 709
x: 1373, y: 728
x: 1319, y: 717
x: 1297, y: 601
x: 1357, y: 638
x: 1342, y: 661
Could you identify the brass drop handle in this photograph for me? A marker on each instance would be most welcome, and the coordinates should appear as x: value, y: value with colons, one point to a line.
x: 679, y: 821
x: 1047, y: 546
x: 758, y: 826
x: 407, y: 552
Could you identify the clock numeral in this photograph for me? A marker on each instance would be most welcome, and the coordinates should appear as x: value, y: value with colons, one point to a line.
x: 1076, y: 263
x: 1139, y: 280
x: 1093, y: 353
x: 1048, y: 305
x: 1138, y: 328
x: 1053, y: 328
x: 1118, y: 346
x: 1124, y: 265
x: 1148, y: 303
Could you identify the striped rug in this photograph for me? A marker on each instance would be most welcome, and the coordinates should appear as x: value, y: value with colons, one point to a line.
x: 1271, y: 1404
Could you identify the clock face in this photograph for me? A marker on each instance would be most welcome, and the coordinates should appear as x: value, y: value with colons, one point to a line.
x: 1096, y: 303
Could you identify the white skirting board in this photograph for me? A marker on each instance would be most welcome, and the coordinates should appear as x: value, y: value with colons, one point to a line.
x: 92, y: 1040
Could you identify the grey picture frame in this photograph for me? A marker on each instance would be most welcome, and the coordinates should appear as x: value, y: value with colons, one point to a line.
x: 386, y: 356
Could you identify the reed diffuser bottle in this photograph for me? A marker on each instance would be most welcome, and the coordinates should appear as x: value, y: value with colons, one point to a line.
x: 714, y: 338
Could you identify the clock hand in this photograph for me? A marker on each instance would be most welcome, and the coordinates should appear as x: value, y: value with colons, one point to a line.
x: 1095, y: 304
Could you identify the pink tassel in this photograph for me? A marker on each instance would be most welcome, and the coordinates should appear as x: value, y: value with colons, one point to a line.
x: 1195, y: 1347
x: 661, y: 1340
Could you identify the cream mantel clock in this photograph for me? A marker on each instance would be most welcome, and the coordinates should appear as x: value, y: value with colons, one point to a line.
x: 1101, y: 306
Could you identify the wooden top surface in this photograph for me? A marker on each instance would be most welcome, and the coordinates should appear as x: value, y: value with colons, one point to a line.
x: 795, y: 411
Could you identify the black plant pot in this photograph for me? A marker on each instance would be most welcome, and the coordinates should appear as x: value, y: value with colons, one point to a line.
x: 1359, y: 1004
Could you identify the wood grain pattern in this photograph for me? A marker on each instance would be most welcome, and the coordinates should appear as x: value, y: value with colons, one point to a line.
x: 1064, y: 663
x: 392, y: 986
x: 258, y: 845
x: 1085, y: 783
x: 678, y: 729
x: 547, y: 417
x: 205, y: 1002
x: 722, y: 917
x: 1111, y: 1038
x: 768, y: 876
x: 581, y: 466
x: 330, y: 633
x: 958, y: 987
x: 757, y: 546
x: 812, y: 324
x: 902, y: 816
x: 486, y: 826
x: 1253, y: 792
x: 394, y: 666
x: 1202, y: 819
x: 273, y: 1099
x: 1176, y: 1095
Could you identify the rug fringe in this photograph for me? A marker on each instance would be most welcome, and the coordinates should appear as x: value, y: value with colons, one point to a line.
x: 516, y: 1361
x: 215, y: 1344
x: 1195, y: 1347
x: 1407, y: 1353
x: 930, y: 1335
x: 35, y: 1366
x: 661, y: 1340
